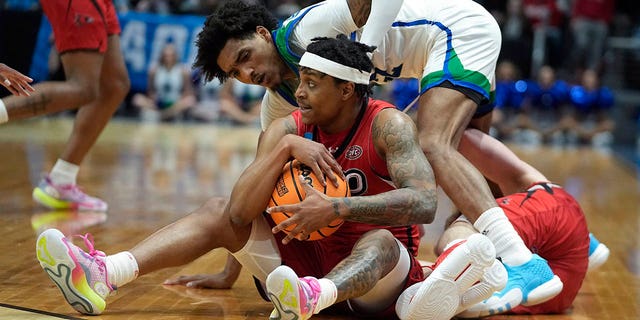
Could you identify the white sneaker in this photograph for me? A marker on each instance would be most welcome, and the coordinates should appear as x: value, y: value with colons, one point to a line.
x: 494, y: 279
x: 455, y: 271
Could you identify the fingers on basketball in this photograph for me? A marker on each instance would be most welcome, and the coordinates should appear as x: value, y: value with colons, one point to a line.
x: 290, y: 190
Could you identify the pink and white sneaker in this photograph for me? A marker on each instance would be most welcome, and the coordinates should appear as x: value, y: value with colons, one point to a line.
x: 67, y: 196
x: 80, y: 276
x: 293, y: 297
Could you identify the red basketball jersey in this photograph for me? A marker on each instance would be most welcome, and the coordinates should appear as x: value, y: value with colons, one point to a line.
x: 365, y: 170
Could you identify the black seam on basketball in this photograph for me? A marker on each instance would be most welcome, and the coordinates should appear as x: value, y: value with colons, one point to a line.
x: 274, y: 201
x: 293, y: 179
x: 333, y: 226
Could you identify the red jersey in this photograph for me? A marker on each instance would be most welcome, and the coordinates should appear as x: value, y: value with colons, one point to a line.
x: 367, y: 175
x: 552, y: 224
x: 365, y: 170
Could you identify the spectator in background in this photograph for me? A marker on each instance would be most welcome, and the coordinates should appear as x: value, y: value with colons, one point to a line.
x: 169, y: 88
x: 234, y: 102
x: 590, y: 25
x: 207, y: 107
x: 286, y: 8
x: 240, y: 102
x: 403, y: 92
x: 517, y: 37
x: 592, y: 103
x: 547, y: 18
x: 511, y: 115
x: 549, y: 100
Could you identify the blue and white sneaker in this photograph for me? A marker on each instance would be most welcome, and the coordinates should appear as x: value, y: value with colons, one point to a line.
x: 598, y: 253
x: 529, y: 284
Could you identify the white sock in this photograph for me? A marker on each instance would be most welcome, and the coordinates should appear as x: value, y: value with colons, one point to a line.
x: 122, y: 268
x: 494, y: 224
x: 4, y: 115
x: 64, y: 173
x: 328, y: 294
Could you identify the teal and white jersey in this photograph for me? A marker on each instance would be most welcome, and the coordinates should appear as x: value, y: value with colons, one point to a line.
x: 431, y: 40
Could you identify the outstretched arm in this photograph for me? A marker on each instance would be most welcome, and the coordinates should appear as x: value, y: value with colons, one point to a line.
x: 497, y: 162
x: 222, y: 280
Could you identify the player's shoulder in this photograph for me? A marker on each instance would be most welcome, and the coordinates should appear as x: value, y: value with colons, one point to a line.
x: 388, y: 119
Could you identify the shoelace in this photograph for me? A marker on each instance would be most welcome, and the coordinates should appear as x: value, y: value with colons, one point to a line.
x: 308, y: 287
x: 74, y: 189
x: 102, y: 267
x: 77, y: 192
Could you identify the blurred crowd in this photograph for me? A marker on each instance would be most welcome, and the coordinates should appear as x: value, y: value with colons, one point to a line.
x: 550, y: 73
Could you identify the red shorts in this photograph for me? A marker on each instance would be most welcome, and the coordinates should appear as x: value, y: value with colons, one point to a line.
x: 81, y: 24
x: 554, y: 227
x: 317, y: 258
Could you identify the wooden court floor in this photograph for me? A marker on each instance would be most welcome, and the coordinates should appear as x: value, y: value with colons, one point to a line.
x: 153, y: 174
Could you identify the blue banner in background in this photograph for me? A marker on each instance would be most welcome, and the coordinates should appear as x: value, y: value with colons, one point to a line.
x: 142, y: 38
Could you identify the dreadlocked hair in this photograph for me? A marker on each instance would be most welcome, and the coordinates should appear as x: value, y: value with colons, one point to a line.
x: 346, y: 52
x: 234, y: 20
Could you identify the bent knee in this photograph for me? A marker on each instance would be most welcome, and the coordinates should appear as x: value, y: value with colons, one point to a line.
x: 116, y: 88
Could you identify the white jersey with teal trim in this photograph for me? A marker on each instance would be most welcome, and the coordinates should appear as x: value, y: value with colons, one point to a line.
x: 431, y: 40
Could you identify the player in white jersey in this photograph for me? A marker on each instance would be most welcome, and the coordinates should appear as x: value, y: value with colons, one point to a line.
x: 451, y: 46
x: 415, y: 47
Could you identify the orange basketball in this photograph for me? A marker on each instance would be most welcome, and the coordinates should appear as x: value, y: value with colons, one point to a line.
x: 289, y: 190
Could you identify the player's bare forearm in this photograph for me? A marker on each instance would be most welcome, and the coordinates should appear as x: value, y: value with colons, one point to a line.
x: 393, y: 208
x: 497, y: 162
x: 255, y: 185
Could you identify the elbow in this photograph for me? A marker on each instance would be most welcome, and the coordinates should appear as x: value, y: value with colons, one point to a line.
x: 428, y: 206
x: 236, y: 217
x: 428, y: 216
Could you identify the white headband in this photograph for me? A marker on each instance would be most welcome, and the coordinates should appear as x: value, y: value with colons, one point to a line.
x: 334, y: 69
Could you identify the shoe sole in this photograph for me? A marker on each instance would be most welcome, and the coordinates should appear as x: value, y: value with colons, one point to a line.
x: 494, y: 279
x: 282, y: 289
x: 50, y: 202
x: 598, y: 257
x: 514, y: 298
x: 438, y: 297
x: 544, y: 292
x: 57, y: 262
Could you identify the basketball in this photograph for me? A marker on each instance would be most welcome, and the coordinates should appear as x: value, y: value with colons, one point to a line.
x: 289, y: 190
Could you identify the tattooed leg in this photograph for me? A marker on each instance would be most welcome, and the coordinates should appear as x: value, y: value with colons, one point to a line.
x: 373, y: 275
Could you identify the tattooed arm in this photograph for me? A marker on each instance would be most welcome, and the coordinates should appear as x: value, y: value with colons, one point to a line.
x: 415, y: 200
x: 378, y: 16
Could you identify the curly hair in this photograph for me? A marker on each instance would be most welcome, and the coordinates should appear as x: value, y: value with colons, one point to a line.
x: 346, y: 52
x: 233, y: 20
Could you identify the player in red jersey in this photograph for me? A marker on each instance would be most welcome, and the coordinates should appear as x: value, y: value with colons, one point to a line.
x: 549, y: 220
x: 87, y: 38
x: 375, y: 144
